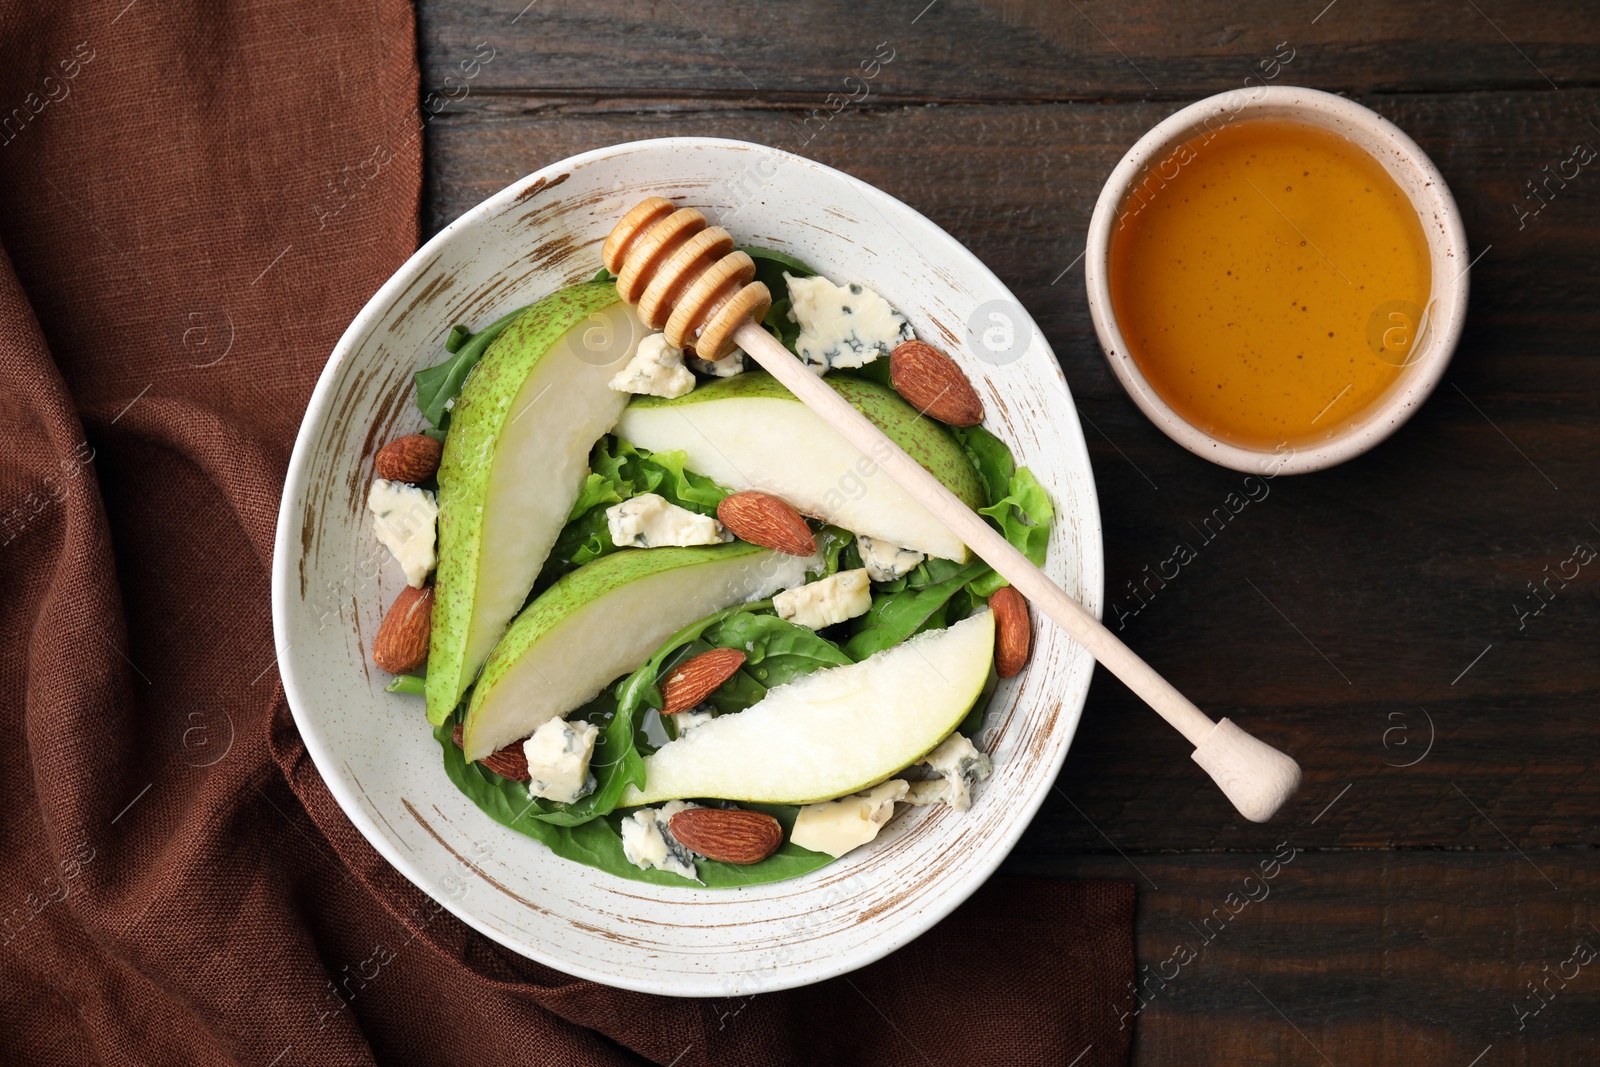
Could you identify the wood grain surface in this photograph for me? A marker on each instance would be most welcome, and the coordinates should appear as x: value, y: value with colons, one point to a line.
x: 1374, y: 620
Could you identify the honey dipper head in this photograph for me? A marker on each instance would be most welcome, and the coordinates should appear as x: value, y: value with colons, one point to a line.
x: 684, y: 276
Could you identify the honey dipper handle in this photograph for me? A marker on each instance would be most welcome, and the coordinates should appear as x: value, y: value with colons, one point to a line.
x: 1256, y: 777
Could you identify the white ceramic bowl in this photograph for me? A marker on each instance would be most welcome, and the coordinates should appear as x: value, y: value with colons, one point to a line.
x: 1411, y: 169
x: 332, y: 581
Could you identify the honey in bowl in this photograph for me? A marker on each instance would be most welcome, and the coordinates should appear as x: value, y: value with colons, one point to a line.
x: 1268, y: 278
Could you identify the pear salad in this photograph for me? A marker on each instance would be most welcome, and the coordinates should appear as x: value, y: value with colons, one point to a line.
x: 668, y: 622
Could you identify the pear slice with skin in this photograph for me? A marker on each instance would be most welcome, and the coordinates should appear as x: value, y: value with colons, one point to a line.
x: 833, y: 732
x: 604, y: 619
x: 514, y: 462
x: 749, y: 432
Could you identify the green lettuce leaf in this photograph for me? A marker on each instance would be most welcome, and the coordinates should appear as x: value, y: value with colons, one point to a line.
x: 1023, y: 515
x: 620, y: 471
x: 989, y: 456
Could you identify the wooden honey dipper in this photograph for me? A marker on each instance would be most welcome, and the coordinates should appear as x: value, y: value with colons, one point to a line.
x: 685, y: 278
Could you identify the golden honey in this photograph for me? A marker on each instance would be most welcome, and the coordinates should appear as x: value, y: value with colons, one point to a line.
x: 1269, y: 279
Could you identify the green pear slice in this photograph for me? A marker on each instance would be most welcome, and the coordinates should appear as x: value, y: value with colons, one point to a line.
x: 836, y: 731
x: 514, y: 461
x: 601, y: 621
x: 749, y: 432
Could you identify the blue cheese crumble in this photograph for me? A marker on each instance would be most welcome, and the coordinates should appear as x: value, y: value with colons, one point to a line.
x: 886, y: 562
x: 823, y: 603
x: 647, y: 841
x: 404, y: 519
x: 726, y: 367
x: 649, y: 520
x: 684, y: 721
x: 558, y: 756
x: 656, y: 369
x: 960, y: 766
x: 837, y: 826
x: 842, y: 325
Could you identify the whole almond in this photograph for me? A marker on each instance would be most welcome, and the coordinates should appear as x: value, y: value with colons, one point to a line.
x: 509, y: 762
x: 402, y: 641
x: 1013, y: 633
x: 933, y: 384
x: 765, y: 520
x: 414, y: 458
x: 697, y: 678
x: 727, y: 835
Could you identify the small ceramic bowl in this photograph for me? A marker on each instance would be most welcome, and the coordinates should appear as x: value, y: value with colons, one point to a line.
x: 332, y: 581
x: 1411, y: 169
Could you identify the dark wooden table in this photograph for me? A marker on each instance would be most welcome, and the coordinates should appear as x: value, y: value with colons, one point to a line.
x: 1440, y: 903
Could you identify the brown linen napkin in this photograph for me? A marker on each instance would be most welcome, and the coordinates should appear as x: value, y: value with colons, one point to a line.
x: 195, y: 199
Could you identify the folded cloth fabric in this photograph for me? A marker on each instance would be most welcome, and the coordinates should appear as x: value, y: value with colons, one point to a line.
x: 195, y: 199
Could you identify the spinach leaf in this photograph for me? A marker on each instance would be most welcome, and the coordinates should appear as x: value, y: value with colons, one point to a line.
x: 438, y: 385
x: 776, y: 651
x: 896, y: 616
x: 989, y: 456
x: 1024, y: 516
x: 770, y: 268
x: 771, y: 265
x: 616, y: 763
x: 641, y: 689
x: 598, y: 842
x: 586, y: 538
x: 779, y: 325
x: 836, y: 545
x: 876, y: 370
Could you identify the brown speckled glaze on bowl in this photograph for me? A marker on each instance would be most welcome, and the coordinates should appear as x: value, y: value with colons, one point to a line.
x: 332, y: 581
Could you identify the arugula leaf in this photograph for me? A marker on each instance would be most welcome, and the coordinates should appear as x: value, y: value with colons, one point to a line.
x: 438, y: 385
x: 598, y: 842
x: 896, y: 616
x: 1024, y: 516
x: 989, y: 456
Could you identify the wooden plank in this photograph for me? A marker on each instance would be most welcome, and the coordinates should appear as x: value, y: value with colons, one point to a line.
x: 1342, y: 606
x: 1358, y: 958
x: 1016, y: 50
